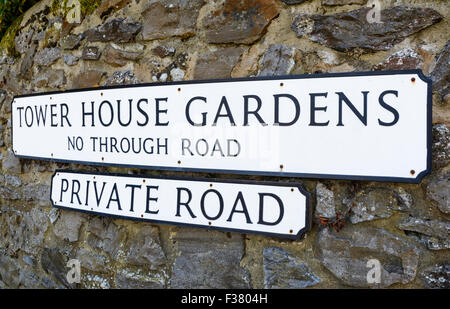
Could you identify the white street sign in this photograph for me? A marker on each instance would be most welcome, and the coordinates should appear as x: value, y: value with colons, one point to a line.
x: 362, y: 126
x: 275, y: 209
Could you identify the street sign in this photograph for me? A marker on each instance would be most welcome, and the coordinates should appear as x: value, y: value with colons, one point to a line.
x: 362, y: 126
x: 275, y: 209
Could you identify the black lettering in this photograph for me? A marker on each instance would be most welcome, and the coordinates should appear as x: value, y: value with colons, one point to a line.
x: 149, y: 199
x: 277, y: 110
x: 75, y: 192
x: 255, y: 112
x: 142, y: 112
x: 244, y: 210
x: 63, y: 189
x: 389, y: 108
x: 188, y: 116
x: 361, y: 117
x: 116, y: 199
x: 314, y: 109
x: 228, y: 114
x: 185, y: 204
x: 84, y: 114
x: 261, y: 209
x: 64, y: 114
x: 130, y: 101
x: 133, y: 187
x: 202, y: 204
x: 101, y: 115
x: 53, y: 115
x: 160, y: 111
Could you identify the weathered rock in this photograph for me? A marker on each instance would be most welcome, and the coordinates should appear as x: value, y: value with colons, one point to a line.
x: 90, y: 53
x: 436, y: 277
x: 86, y: 79
x: 118, y: 30
x: 9, y: 271
x: 51, y: 78
x: 95, y: 282
x: 109, y: 6
x: 163, y: 51
x: 342, y: 2
x: 145, y: 248
x: 289, y: 2
x: 70, y: 59
x: 129, y: 279
x: 72, y: 41
x: 283, y: 271
x: 121, y: 78
x: 27, y: 61
x: 438, y: 190
x: 53, y: 262
x: 325, y: 206
x: 217, y: 64
x: 47, y: 56
x: 167, y: 18
x: 438, y: 232
x: 105, y: 235
x: 92, y: 261
x: 374, y: 203
x: 23, y: 40
x: 441, y: 73
x: 277, y: 60
x: 441, y: 145
x: 240, y: 21
x: 8, y: 193
x: 37, y: 192
x: 337, y: 31
x: 11, y: 180
x: 208, y: 259
x: 115, y: 55
x: 11, y: 163
x: 346, y: 253
x: 402, y: 60
x: 68, y: 225
x: 177, y: 74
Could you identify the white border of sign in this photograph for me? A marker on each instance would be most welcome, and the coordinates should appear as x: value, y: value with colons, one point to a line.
x: 296, y: 218
x: 411, y: 175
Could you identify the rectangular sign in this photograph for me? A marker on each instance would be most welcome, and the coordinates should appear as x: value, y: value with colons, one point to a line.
x: 276, y: 209
x: 361, y: 126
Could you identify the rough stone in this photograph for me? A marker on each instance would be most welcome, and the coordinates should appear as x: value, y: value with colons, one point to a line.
x: 27, y: 61
x: 346, y: 253
x: 283, y: 271
x: 163, y: 51
x: 217, y: 64
x: 438, y: 190
x: 129, y: 279
x: 290, y: 2
x: 72, y: 41
x: 70, y: 59
x: 121, y: 78
x: 277, y: 60
x: 441, y: 145
x: 240, y: 21
x: 325, y: 206
x: 168, y: 18
x: 208, y: 259
x: 436, y: 277
x: 90, y: 53
x: 37, y: 192
x: 51, y: 78
x: 118, y: 30
x: 342, y: 2
x: 11, y: 163
x: 337, y: 31
x: 68, y: 225
x: 145, y: 248
x: 115, y: 55
x: 441, y: 73
x: 86, y: 79
x: 12, y: 180
x: 437, y: 232
x: 374, y: 203
x: 92, y: 261
x: 23, y: 40
x: 177, y: 74
x: 9, y: 271
x: 47, y: 56
x: 105, y: 235
x: 53, y: 262
x: 404, y: 59
x: 109, y: 6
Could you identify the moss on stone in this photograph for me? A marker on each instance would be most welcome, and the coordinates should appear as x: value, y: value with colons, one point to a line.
x: 89, y: 6
x: 7, y: 45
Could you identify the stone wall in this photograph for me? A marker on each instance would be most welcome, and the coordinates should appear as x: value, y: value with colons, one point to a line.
x: 110, y: 42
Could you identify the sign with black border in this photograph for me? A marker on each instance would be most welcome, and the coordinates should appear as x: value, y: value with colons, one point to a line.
x: 278, y: 209
x: 356, y: 126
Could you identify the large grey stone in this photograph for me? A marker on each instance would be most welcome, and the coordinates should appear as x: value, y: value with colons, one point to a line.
x: 53, y: 262
x: 283, y: 271
x: 68, y: 225
x: 9, y: 271
x: 375, y: 203
x: 240, y: 21
x: 70, y: 59
x: 441, y: 73
x: 441, y: 146
x: 92, y: 261
x: 23, y: 40
x: 434, y: 233
x: 346, y: 253
x: 325, y: 205
x: 118, y: 30
x: 145, y: 248
x: 87, y: 79
x: 50, y: 78
x: 167, y: 18
x: 47, y: 56
x: 208, y: 259
x: 342, y: 2
x: 404, y: 59
x: 438, y: 190
x: 217, y: 64
x: 71, y: 41
x: 104, y: 234
x: 436, y: 277
x: 118, y: 56
x: 11, y: 163
x: 130, y: 279
x: 277, y: 60
x: 37, y: 192
x: 351, y: 30
x: 121, y: 78
x: 90, y: 53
